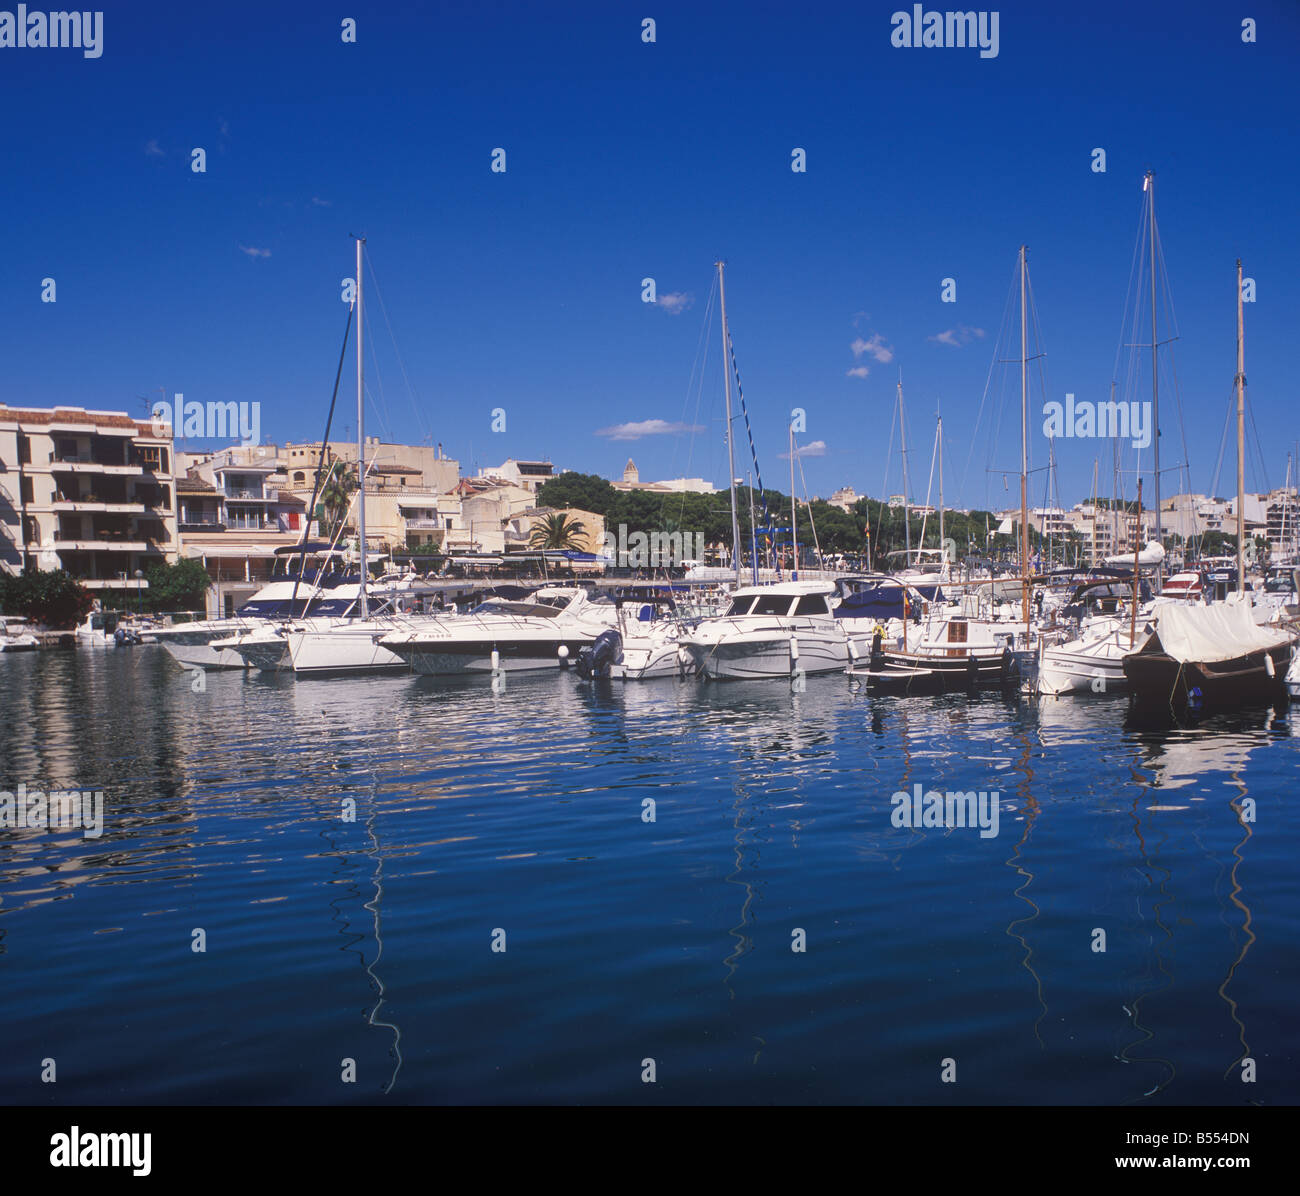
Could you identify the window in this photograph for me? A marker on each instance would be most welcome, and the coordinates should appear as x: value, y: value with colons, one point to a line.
x: 740, y: 606
x: 24, y: 450
x: 27, y: 490
x: 771, y: 604
x: 811, y: 604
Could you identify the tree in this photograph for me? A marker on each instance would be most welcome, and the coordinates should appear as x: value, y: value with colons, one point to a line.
x: 52, y: 597
x: 586, y: 491
x: 336, y: 495
x: 182, y: 586
x: 557, y: 531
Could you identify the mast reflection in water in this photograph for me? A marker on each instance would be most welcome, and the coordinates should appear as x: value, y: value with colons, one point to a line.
x: 764, y: 934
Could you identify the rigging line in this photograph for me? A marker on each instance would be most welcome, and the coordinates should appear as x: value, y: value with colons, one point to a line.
x: 320, y: 462
x: 808, y: 503
x: 1138, y: 242
x: 1230, y: 411
x: 697, y: 369
x: 426, y: 429
x: 889, y: 449
x: 1259, y: 452
x: 749, y: 431
x: 377, y: 399
x: 696, y: 380
x: 988, y: 382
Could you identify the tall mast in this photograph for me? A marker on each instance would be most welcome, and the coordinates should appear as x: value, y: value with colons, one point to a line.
x: 731, y: 454
x: 1241, y: 439
x: 794, y: 516
x: 907, y: 510
x: 1149, y: 185
x: 943, y: 543
x: 1092, y: 560
x: 361, y: 437
x: 1024, y: 449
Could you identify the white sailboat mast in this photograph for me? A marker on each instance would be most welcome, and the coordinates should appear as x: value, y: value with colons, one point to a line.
x: 731, y: 453
x: 361, y: 438
x: 1241, y: 439
x: 1149, y: 184
x: 1024, y: 448
x: 794, y: 516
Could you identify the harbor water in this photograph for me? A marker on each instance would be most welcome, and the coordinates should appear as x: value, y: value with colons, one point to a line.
x: 420, y: 890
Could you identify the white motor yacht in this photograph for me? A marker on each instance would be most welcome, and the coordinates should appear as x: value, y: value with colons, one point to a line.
x: 546, y: 630
x: 14, y: 637
x: 770, y: 631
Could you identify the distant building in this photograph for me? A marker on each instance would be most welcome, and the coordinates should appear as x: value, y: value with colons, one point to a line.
x: 844, y: 498
x: 632, y: 481
x: 423, y: 467
x: 91, y: 492
x: 531, y: 475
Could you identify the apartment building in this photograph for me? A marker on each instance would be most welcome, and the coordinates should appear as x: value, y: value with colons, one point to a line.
x: 423, y: 467
x: 91, y: 492
x: 530, y: 475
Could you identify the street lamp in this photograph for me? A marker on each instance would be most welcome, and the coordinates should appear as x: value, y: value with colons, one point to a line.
x: 139, y: 593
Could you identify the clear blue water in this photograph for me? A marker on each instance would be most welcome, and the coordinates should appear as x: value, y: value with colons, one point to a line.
x: 629, y: 940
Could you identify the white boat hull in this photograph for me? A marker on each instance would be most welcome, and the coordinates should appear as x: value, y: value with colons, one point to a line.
x: 749, y: 658
x: 341, y: 650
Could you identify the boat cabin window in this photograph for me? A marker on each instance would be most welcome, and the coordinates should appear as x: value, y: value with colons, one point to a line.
x: 957, y: 629
x: 771, y: 604
x: 740, y: 606
x: 811, y: 604
x: 536, y: 610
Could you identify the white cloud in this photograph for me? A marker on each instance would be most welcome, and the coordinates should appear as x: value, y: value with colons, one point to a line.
x: 646, y: 427
x: 253, y: 251
x: 956, y: 337
x: 153, y: 150
x: 858, y: 371
x: 675, y: 302
x: 814, y: 448
x: 875, y: 346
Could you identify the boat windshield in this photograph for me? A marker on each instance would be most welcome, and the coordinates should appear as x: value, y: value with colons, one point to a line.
x: 536, y: 610
x: 740, y: 606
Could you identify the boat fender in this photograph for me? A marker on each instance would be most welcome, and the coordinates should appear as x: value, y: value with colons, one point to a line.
x: 1006, y: 661
x: 973, y: 667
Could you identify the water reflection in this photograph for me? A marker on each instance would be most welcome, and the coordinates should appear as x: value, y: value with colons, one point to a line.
x: 530, y: 800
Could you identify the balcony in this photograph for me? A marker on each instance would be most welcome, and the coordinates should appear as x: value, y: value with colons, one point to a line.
x: 69, y: 545
x: 86, y: 464
x: 90, y: 504
x: 423, y: 525
x: 250, y: 495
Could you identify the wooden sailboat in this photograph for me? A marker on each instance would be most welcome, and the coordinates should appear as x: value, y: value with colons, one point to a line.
x: 954, y: 651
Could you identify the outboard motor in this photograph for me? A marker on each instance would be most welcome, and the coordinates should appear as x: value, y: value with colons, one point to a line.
x: 597, y: 660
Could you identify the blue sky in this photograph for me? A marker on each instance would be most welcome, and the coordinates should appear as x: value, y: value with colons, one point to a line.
x: 627, y: 160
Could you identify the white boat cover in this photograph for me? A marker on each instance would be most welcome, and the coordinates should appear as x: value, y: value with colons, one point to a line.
x: 1152, y: 554
x: 1213, y: 633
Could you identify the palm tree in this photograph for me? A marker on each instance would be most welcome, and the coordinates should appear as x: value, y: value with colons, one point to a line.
x: 557, y: 531
x: 336, y: 494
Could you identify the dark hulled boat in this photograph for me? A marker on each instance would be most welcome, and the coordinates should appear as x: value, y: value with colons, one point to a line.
x: 1210, y: 657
